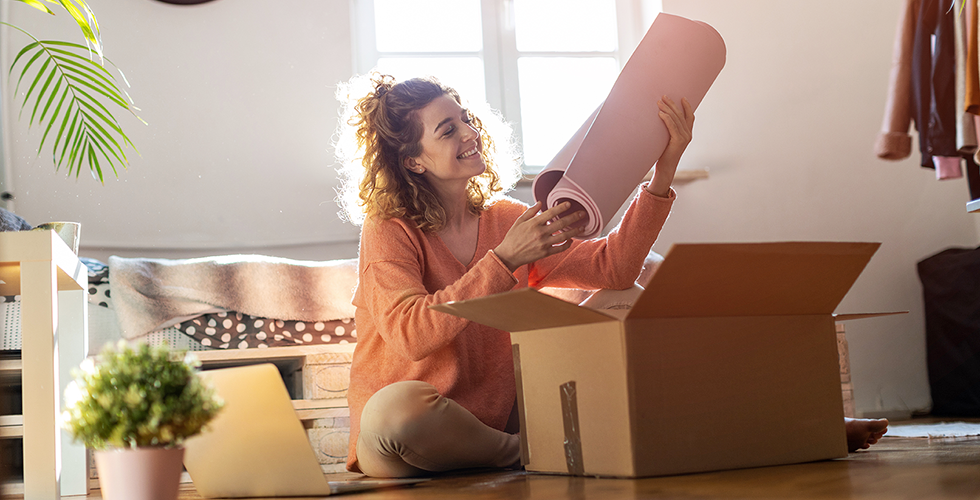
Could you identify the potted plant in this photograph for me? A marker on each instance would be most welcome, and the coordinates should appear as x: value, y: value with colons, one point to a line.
x: 135, y: 407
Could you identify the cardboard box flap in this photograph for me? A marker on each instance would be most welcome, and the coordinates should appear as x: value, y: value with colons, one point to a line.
x: 521, y: 310
x: 752, y: 279
x: 848, y: 317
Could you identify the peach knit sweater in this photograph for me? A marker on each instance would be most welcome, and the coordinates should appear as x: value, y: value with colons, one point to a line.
x: 403, y: 270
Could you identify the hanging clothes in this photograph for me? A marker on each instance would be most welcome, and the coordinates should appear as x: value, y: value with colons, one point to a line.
x: 973, y: 177
x: 922, y: 89
x: 972, y: 98
x: 947, y: 167
x: 934, y: 84
x: 933, y: 80
x: 966, y: 133
x: 972, y: 104
x: 894, y: 141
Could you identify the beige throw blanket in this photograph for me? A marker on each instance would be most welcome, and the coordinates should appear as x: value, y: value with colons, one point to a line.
x: 150, y: 294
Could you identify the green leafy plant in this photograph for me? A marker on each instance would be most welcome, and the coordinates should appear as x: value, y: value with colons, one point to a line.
x: 147, y: 396
x: 66, y: 84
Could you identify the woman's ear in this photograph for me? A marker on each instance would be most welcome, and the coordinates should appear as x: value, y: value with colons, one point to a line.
x: 413, y: 166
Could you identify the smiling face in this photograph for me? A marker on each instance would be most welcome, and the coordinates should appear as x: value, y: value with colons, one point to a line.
x: 450, y: 144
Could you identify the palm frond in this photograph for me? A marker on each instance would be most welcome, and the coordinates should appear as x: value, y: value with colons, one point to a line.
x: 86, y: 21
x: 72, y: 94
x: 81, y: 13
x: 37, y: 4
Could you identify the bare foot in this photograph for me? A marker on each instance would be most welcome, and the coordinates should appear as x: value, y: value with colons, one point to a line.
x: 864, y: 432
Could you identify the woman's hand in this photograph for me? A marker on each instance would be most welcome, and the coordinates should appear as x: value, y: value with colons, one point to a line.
x: 679, y: 120
x: 533, y: 237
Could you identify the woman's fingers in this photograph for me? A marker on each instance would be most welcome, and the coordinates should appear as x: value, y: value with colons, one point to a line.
x: 551, y: 217
x: 668, y: 104
x: 561, y: 248
x: 559, y: 241
x: 552, y: 212
x: 554, y: 233
x: 559, y: 224
x: 670, y: 122
x: 537, y: 235
x: 530, y: 212
x: 550, y: 220
x: 679, y: 118
x: 688, y: 110
x: 682, y: 113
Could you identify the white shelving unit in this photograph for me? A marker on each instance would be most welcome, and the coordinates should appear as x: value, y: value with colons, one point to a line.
x: 39, y: 266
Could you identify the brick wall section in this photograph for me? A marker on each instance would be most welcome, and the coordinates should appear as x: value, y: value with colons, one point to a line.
x: 847, y: 390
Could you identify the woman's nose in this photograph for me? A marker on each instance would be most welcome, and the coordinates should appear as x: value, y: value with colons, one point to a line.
x: 470, y: 132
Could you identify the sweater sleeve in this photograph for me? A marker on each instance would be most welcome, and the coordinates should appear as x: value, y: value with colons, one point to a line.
x: 894, y: 141
x: 611, y: 262
x: 392, y: 288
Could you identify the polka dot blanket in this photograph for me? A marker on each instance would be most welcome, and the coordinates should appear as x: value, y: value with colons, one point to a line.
x: 233, y: 330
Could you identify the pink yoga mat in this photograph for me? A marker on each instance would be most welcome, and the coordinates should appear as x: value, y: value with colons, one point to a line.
x: 606, y: 159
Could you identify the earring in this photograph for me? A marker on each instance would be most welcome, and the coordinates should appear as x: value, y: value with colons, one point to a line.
x: 414, y: 167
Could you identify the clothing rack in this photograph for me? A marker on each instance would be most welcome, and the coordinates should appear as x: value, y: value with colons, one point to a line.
x: 935, y: 85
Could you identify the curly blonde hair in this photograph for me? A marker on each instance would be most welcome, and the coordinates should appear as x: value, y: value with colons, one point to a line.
x: 381, y: 128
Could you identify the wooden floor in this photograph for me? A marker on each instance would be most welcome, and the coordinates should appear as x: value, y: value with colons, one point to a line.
x: 914, y: 468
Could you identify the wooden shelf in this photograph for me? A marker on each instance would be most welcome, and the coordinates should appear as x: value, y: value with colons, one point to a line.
x: 313, y: 409
x: 214, y: 357
x: 317, y: 404
x: 11, y: 426
x: 681, y: 177
x: 10, y: 368
x: 12, y: 488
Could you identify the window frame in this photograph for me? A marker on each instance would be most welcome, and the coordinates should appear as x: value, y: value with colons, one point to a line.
x: 499, y: 54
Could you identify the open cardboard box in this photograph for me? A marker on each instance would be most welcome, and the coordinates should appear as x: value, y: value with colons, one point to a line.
x: 727, y: 360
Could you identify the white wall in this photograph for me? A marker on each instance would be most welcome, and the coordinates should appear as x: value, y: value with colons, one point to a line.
x: 239, y: 96
x: 237, y: 156
x: 787, y: 133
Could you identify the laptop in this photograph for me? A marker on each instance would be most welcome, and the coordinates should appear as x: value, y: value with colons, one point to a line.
x: 257, y: 447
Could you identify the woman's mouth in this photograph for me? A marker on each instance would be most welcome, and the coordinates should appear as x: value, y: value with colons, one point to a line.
x: 467, y: 154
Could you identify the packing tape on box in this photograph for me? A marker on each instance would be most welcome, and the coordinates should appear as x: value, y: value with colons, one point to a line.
x: 573, y: 438
x: 525, y: 458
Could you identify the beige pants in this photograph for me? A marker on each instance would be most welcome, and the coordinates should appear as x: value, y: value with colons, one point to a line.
x: 408, y: 429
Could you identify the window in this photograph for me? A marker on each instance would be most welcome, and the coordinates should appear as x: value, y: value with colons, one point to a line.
x: 545, y: 64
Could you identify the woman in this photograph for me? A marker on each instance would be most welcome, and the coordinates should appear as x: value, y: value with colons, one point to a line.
x: 430, y: 392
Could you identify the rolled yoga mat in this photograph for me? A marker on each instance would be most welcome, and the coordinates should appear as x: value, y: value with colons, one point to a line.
x: 612, y: 151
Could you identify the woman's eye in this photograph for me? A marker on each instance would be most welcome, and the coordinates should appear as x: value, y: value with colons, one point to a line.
x: 449, y: 131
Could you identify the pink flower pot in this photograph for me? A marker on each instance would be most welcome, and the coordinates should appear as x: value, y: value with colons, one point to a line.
x: 139, y: 473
